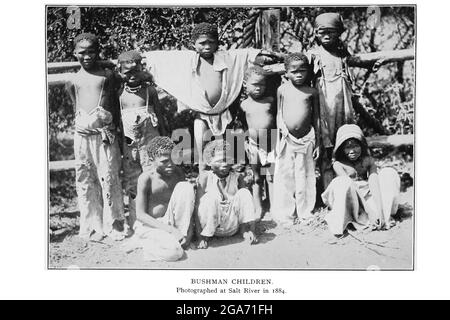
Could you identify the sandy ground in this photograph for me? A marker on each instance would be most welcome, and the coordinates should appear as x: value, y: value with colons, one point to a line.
x: 301, y: 247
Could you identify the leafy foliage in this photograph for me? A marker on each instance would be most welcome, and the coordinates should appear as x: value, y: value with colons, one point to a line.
x: 388, y: 94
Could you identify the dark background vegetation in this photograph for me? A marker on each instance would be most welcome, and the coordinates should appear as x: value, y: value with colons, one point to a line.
x: 387, y: 94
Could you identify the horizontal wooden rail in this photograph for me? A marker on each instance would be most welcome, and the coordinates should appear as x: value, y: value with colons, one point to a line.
x: 363, y: 60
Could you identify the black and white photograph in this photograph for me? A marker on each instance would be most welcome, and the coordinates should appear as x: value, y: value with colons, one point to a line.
x: 171, y: 146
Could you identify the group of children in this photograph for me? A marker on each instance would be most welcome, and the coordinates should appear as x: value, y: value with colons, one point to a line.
x: 311, y: 118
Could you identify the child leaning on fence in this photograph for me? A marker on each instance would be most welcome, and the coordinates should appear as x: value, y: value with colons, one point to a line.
x: 141, y: 122
x: 97, y: 154
x: 206, y: 80
x: 332, y: 79
x: 361, y: 194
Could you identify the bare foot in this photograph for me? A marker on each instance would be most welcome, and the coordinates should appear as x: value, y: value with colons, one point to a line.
x: 203, y: 244
x: 390, y: 224
x: 96, y: 237
x: 117, y: 235
x: 335, y: 239
x: 250, y: 237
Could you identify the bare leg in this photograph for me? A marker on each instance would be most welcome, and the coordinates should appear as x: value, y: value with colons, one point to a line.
x: 390, y: 190
x: 257, y: 186
x: 200, y: 128
x: 190, y: 233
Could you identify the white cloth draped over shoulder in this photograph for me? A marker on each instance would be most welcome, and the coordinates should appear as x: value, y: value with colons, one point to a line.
x: 177, y: 73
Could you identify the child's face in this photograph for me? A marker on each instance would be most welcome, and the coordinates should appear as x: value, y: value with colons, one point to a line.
x: 164, y: 164
x: 297, y: 72
x: 256, y: 86
x: 132, y: 70
x: 352, y: 149
x: 86, y: 53
x: 221, y: 165
x: 206, y: 45
x: 328, y: 37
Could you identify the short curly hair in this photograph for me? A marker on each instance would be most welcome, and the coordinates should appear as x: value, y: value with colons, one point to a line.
x: 89, y: 37
x: 159, y: 146
x: 204, y: 28
x: 296, y: 56
x: 255, y: 70
x: 214, y: 148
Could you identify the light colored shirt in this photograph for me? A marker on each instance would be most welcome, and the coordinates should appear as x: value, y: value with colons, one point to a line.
x: 177, y: 73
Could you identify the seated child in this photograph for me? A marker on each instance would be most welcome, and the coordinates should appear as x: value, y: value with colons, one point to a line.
x: 259, y: 113
x: 297, y: 122
x: 224, y: 206
x: 164, y: 204
x: 360, y: 194
x: 140, y: 109
x: 97, y: 153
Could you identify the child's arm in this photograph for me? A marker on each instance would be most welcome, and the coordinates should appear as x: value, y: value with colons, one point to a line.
x: 316, y: 125
x: 142, y: 199
x: 201, y: 190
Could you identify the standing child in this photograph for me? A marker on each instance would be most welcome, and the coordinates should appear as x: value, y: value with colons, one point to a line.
x: 259, y: 113
x: 360, y: 194
x: 332, y: 79
x: 225, y: 205
x: 97, y: 154
x: 206, y: 80
x: 297, y: 121
x: 165, y: 203
x: 140, y: 109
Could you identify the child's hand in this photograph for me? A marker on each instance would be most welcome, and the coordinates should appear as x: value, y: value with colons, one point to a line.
x: 316, y: 153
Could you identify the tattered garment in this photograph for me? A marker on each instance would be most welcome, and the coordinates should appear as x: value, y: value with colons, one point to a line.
x: 333, y: 81
x: 177, y: 73
x: 350, y: 201
x: 220, y: 216
x: 140, y: 126
x: 158, y: 245
x: 98, y: 160
x: 256, y: 154
x: 294, y: 178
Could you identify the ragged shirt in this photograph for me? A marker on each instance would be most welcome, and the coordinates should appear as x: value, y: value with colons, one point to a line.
x: 177, y: 73
x: 138, y: 122
x: 332, y: 79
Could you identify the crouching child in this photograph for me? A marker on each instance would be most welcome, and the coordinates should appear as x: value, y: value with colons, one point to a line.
x: 361, y: 194
x: 164, y: 204
x: 225, y: 205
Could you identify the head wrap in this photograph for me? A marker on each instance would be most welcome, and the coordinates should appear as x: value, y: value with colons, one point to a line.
x: 132, y: 55
x: 330, y: 20
x: 348, y: 131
